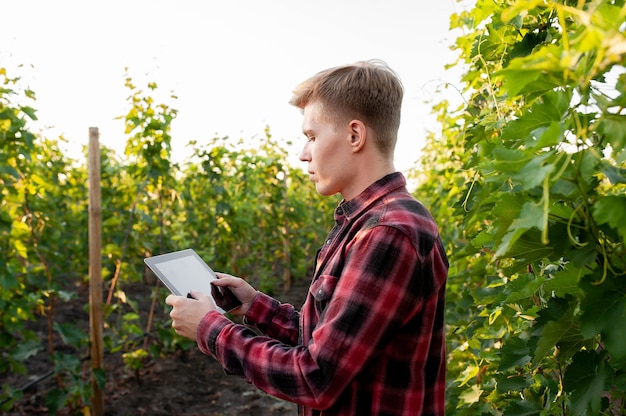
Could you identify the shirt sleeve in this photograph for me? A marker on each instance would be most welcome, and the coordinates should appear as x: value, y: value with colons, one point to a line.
x: 375, y: 294
x: 274, y: 319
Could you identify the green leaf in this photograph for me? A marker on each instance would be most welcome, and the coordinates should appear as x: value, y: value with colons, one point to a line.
x: 616, y: 175
x: 527, y: 249
x: 611, y: 210
x: 522, y: 408
x: 100, y: 376
x: 603, y: 307
x: 26, y: 349
x: 562, y: 333
x: 614, y: 338
x: 20, y: 248
x: 506, y: 209
x: 534, y: 172
x: 9, y: 170
x: 519, y: 7
x: 531, y: 216
x: 546, y: 136
x: 514, y: 383
x: 541, y: 126
x: 494, y: 43
x: 541, y: 71
x: 55, y: 400
x: 508, y: 160
x: 472, y: 395
x: 527, y: 170
x: 523, y: 287
x: 586, y: 378
x: 608, y: 16
x: 71, y: 334
x: 564, y: 282
x: 30, y: 112
x: 515, y: 352
x: 613, y: 128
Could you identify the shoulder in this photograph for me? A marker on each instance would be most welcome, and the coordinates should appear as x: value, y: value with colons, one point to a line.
x: 401, y: 208
x: 401, y: 211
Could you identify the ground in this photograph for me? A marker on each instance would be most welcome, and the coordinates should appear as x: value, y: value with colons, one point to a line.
x: 186, y: 382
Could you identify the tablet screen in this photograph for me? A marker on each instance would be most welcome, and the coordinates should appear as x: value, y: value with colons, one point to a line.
x: 184, y: 271
x: 185, y: 274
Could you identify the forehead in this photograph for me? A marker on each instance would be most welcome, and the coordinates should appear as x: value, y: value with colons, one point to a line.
x: 313, y: 117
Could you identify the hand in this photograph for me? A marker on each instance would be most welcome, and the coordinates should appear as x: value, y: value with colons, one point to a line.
x: 187, y: 313
x: 242, y: 289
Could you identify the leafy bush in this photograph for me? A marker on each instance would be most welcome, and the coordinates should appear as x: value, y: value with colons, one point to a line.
x: 531, y: 180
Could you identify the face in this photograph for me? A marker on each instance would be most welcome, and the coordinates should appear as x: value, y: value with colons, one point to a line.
x: 327, y: 152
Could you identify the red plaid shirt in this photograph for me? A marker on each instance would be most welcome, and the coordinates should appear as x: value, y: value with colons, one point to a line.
x: 369, y: 339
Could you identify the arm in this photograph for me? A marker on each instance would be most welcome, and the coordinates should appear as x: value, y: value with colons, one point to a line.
x: 275, y: 319
x: 279, y: 321
x: 373, y: 296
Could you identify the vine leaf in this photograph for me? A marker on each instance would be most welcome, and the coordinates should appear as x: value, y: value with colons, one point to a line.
x: 564, y: 282
x: 545, y: 113
x: 562, y: 333
x: 530, y: 216
x: 514, y: 352
x: 603, y: 307
x: 586, y: 377
x: 616, y: 175
x: 614, y: 128
x: 537, y: 73
x: 611, y: 210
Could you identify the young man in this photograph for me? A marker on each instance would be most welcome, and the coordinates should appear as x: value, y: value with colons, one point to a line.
x: 369, y: 339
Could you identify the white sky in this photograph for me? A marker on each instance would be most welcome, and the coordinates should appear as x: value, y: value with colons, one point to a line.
x: 232, y: 64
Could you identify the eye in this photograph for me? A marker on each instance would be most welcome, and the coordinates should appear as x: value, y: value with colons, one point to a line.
x: 310, y: 138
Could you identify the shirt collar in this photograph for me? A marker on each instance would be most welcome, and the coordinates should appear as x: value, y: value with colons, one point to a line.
x: 349, y: 209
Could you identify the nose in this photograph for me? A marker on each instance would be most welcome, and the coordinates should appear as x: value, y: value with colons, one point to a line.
x: 305, y: 154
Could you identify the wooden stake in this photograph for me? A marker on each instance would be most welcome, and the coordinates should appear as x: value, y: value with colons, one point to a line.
x: 95, y: 270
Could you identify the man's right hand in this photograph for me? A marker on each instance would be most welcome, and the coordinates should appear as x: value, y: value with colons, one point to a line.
x: 242, y: 289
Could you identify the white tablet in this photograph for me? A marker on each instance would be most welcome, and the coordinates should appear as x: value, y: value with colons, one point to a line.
x: 183, y: 271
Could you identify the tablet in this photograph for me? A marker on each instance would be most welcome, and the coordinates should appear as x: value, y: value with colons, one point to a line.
x: 184, y: 270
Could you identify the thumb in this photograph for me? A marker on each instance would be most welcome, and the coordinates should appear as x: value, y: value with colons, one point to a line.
x: 201, y: 297
x: 195, y: 294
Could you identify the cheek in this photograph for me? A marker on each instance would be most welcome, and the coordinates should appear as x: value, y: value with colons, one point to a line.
x: 323, y: 153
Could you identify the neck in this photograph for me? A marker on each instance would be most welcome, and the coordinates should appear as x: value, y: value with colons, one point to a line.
x: 369, y: 171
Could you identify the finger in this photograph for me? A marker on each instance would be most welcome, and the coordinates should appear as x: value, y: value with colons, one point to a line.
x: 171, y: 299
x: 221, y: 275
x: 227, y: 280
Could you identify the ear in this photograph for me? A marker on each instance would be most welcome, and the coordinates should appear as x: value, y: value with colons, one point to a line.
x: 358, y: 135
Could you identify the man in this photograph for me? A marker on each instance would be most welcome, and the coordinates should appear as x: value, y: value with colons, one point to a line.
x: 369, y: 339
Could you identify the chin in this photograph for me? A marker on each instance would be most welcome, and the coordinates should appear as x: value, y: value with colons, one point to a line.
x: 320, y: 189
x: 324, y: 191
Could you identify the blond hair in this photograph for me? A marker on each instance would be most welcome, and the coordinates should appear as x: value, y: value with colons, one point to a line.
x: 369, y: 91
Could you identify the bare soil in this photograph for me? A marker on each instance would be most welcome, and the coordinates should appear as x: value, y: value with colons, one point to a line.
x: 185, y: 382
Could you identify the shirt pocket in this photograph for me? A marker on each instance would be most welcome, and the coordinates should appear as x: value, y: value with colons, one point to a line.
x: 322, y: 291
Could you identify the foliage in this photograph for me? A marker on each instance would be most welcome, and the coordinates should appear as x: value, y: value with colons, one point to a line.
x: 531, y: 178
x: 239, y: 205
x: 40, y: 194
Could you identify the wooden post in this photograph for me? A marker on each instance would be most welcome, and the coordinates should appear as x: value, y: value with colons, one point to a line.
x: 95, y: 270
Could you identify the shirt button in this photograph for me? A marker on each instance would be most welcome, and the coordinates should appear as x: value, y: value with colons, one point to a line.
x: 320, y: 292
x: 340, y: 211
x: 328, y: 241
